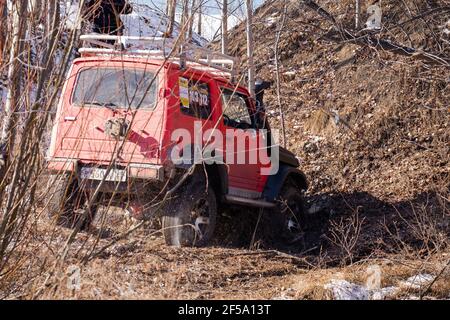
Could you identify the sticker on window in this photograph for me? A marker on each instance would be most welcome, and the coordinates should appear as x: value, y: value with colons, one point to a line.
x: 194, y: 97
x: 184, y: 92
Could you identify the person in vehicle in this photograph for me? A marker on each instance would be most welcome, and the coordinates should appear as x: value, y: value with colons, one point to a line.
x: 260, y: 86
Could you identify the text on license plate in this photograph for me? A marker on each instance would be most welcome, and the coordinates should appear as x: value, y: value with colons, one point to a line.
x: 99, y: 173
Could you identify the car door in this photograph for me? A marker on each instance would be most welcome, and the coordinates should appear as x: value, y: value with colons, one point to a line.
x: 241, y: 143
x: 192, y: 111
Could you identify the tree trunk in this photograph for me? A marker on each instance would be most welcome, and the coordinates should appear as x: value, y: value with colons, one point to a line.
x: 199, y: 21
x: 50, y: 12
x: 277, y: 68
x: 53, y: 21
x: 172, y: 5
x: 184, y: 21
x: 52, y: 16
x: 168, y: 8
x: 3, y: 26
x: 358, y: 15
x: 17, y: 10
x: 250, y: 48
x: 191, y: 22
x: 185, y: 14
x: 224, y: 26
x: 35, y: 8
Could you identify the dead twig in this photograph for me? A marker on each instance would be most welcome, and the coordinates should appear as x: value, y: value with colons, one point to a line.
x: 434, y: 280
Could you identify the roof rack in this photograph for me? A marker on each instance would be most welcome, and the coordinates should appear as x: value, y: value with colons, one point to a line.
x: 159, y: 48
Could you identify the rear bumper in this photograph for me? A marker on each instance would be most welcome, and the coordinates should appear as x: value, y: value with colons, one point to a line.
x: 139, y: 171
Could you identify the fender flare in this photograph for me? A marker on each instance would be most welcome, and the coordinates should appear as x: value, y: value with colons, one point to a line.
x: 217, y: 175
x: 275, y: 183
x: 217, y: 172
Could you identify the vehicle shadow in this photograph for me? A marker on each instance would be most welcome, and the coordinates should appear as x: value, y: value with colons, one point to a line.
x: 346, y: 227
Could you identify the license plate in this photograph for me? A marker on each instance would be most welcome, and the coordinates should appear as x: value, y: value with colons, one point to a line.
x: 99, y: 173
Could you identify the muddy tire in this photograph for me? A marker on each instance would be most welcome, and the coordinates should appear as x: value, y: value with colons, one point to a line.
x: 190, y: 218
x: 288, y: 218
x: 67, y: 202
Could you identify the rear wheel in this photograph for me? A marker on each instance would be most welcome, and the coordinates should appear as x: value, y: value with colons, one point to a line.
x: 190, y: 218
x: 289, y: 219
x: 67, y: 203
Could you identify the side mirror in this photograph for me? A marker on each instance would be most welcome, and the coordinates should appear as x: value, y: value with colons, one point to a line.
x: 260, y: 86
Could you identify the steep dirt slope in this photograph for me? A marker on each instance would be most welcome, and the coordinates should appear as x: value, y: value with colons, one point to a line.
x: 391, y: 112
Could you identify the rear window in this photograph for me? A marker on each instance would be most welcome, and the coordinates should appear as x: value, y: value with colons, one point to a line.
x: 115, y: 88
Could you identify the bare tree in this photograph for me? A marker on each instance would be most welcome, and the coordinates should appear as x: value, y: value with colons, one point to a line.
x: 224, y: 26
x: 184, y: 20
x: 53, y: 11
x: 358, y: 15
x: 191, y: 21
x: 250, y: 48
x: 171, y: 9
x: 53, y: 22
x: 277, y: 68
x: 35, y: 7
x: 199, y: 21
x: 3, y: 16
x: 168, y: 4
x: 17, y: 11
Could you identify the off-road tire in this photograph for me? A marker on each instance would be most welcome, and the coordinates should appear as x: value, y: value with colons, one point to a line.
x: 66, y: 203
x: 179, y: 218
x: 288, y: 219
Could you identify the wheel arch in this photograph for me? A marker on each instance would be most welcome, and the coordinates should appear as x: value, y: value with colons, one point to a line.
x: 217, y: 172
x: 275, y: 182
x: 217, y: 175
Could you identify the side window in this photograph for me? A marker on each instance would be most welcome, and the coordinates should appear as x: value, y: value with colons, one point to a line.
x: 195, y: 98
x: 235, y: 110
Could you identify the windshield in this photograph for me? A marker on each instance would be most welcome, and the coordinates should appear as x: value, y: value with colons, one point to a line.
x: 115, y: 88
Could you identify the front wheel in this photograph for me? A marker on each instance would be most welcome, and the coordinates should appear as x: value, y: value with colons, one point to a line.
x: 289, y: 218
x: 190, y: 217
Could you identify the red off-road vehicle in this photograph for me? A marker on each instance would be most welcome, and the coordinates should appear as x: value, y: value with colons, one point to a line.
x: 127, y: 116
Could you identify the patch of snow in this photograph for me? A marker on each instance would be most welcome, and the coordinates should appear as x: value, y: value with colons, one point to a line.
x: 383, y: 293
x: 417, y: 281
x: 144, y: 21
x: 70, y: 15
x: 344, y: 290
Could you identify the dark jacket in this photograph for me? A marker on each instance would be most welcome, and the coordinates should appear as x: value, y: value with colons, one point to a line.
x: 106, y: 15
